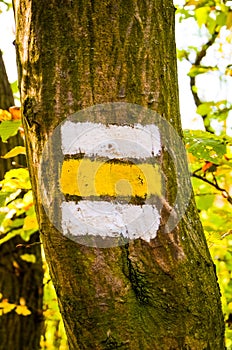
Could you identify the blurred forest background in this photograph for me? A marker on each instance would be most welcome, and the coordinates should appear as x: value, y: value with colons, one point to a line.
x: 29, y: 315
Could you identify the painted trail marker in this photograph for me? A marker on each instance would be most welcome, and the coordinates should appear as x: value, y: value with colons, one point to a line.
x: 110, y: 187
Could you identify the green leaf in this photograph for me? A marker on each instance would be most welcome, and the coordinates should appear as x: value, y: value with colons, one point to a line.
x: 28, y: 258
x: 205, y: 145
x: 211, y: 25
x: 16, y: 223
x: 204, y: 108
x: 27, y: 234
x: 14, y: 86
x: 14, y: 152
x: 3, y: 197
x: 221, y: 19
x: 196, y: 70
x: 182, y: 54
x: 194, y: 88
x: 9, y: 128
x: 2, y: 218
x: 204, y: 202
x: 10, y: 235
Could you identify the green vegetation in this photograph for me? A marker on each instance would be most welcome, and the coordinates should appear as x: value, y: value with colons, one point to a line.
x: 17, y: 217
x: 209, y: 151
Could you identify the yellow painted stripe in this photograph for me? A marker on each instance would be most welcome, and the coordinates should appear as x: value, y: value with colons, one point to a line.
x: 86, y: 177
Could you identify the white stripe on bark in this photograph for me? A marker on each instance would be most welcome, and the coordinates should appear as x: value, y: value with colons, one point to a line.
x: 113, y: 141
x: 105, y: 219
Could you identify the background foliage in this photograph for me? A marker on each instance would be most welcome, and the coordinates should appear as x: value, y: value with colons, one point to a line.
x: 209, y: 151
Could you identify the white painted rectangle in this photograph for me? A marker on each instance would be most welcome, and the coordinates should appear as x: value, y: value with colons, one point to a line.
x: 106, y: 219
x: 112, y: 141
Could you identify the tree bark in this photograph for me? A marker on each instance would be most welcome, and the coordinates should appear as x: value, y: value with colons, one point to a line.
x: 158, y: 295
x: 6, y: 95
x: 6, y: 101
x: 18, y: 278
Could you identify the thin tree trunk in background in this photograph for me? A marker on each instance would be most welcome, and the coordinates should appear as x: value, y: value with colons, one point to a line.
x: 6, y: 95
x: 18, y: 278
x: 6, y: 101
x: 148, y: 296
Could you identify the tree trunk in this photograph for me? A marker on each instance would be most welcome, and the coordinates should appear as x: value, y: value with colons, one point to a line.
x: 161, y: 294
x: 18, y: 278
x: 6, y: 95
x: 6, y: 101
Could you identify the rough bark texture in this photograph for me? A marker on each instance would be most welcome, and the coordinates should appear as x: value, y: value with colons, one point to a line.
x: 6, y: 95
x: 6, y: 101
x: 18, y: 278
x: 158, y: 295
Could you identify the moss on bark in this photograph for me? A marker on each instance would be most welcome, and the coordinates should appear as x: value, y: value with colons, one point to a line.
x: 160, y: 295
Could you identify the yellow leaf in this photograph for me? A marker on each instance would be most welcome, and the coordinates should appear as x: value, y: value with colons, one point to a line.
x: 6, y: 307
x: 229, y: 20
x: 202, y: 14
x: 22, y: 301
x: 22, y: 310
x: 28, y: 200
x: 14, y: 152
x: 28, y: 257
x: 192, y: 3
x: 16, y: 265
x: 4, y: 115
x: 49, y: 313
x: 30, y: 223
x: 228, y: 71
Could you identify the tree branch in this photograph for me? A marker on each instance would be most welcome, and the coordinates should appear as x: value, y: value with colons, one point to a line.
x: 200, y: 55
x: 224, y: 192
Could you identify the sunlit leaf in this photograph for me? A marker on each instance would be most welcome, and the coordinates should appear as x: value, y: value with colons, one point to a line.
x: 4, y: 115
x: 28, y: 200
x: 229, y: 20
x: 16, y: 223
x: 15, y: 112
x: 204, y: 108
x: 211, y: 25
x: 192, y: 2
x: 9, y: 128
x: 28, y: 258
x: 205, y: 145
x: 9, y: 235
x: 3, y: 197
x: 18, y: 177
x: 6, y: 307
x: 202, y: 14
x: 30, y: 223
x: 14, y: 152
x: 228, y: 70
x: 26, y: 234
x: 14, y: 86
x: 22, y: 310
x: 204, y: 202
x: 182, y: 54
x: 221, y: 19
x: 196, y: 70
